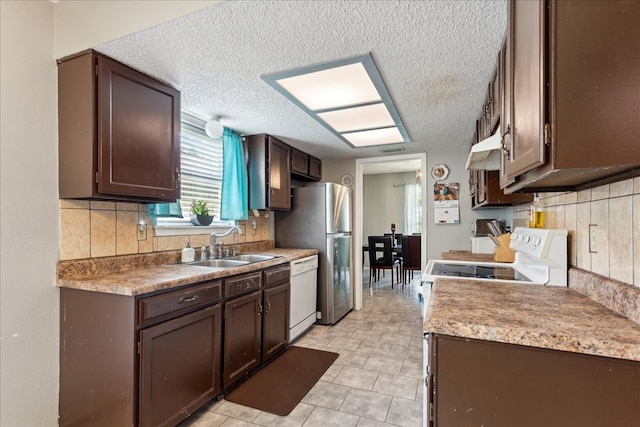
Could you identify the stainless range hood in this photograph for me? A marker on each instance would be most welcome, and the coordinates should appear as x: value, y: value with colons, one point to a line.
x: 485, y: 155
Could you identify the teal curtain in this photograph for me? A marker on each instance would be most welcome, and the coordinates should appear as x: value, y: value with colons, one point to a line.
x: 164, y: 210
x: 234, y: 203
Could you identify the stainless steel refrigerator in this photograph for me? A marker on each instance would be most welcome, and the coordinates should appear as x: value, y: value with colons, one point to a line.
x: 320, y: 218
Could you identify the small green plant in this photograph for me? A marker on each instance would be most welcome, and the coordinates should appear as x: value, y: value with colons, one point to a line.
x: 199, y: 207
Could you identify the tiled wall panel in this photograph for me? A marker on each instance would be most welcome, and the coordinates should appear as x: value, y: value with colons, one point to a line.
x: 615, y: 211
x: 98, y: 229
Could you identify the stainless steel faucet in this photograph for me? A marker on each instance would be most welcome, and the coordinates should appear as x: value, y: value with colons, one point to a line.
x: 235, y: 230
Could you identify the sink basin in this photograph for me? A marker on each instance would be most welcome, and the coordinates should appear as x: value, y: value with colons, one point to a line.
x: 250, y: 258
x: 223, y: 263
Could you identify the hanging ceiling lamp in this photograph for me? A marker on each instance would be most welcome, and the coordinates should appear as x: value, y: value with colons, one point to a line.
x: 214, y: 128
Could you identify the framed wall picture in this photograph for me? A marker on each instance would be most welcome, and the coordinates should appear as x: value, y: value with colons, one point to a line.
x: 440, y: 172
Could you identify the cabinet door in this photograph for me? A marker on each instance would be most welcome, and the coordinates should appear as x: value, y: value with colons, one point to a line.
x: 275, y: 330
x: 279, y: 196
x: 179, y: 366
x: 511, y: 385
x: 138, y: 134
x: 242, y: 336
x: 299, y: 162
x: 523, y: 112
x: 481, y: 179
x: 315, y: 168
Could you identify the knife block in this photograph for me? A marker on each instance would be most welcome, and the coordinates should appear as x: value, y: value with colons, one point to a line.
x: 502, y: 252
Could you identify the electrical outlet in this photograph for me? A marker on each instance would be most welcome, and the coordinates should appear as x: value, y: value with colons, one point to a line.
x: 593, y: 238
x: 142, y: 232
x: 254, y: 227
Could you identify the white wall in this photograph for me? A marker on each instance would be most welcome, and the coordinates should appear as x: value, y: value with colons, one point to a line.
x: 382, y: 203
x: 29, y: 304
x: 444, y: 237
x: 82, y: 24
x: 29, y: 207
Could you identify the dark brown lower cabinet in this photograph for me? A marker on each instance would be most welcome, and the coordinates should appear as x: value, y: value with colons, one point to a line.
x: 154, y: 359
x: 474, y: 383
x: 179, y: 366
x: 275, y: 330
x: 256, y: 325
x: 242, y: 336
x: 138, y: 360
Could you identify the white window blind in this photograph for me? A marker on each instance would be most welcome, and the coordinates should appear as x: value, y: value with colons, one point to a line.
x: 201, y: 168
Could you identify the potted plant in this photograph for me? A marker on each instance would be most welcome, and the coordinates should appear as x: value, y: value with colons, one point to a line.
x: 200, y: 213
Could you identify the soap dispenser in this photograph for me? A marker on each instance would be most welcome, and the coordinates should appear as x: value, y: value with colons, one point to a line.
x: 188, y: 253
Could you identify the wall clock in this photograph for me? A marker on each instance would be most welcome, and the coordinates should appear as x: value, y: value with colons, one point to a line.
x: 440, y: 172
x: 347, y: 180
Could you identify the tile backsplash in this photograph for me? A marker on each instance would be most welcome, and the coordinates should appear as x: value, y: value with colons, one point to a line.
x: 92, y: 229
x: 612, y: 213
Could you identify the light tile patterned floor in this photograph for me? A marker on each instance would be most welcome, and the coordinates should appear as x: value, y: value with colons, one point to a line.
x: 376, y: 381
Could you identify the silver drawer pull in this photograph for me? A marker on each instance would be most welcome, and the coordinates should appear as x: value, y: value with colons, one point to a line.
x: 182, y: 300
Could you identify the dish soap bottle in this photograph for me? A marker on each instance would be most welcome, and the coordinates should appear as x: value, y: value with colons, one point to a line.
x: 188, y: 253
x: 536, y: 213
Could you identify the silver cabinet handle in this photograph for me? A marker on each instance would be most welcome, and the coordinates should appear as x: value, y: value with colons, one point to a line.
x: 192, y: 298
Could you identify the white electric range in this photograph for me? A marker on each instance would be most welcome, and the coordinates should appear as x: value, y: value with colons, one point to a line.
x: 540, y: 258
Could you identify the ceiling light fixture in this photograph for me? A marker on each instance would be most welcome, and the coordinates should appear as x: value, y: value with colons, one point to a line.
x: 348, y: 97
x: 214, y: 128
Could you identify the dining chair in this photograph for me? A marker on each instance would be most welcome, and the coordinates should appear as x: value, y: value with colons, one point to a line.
x: 398, y: 238
x: 411, y: 256
x: 382, y: 245
x: 397, y: 248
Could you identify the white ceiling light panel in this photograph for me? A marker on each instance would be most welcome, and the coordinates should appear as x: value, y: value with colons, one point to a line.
x: 348, y: 97
x: 350, y: 119
x: 374, y: 137
x: 333, y: 88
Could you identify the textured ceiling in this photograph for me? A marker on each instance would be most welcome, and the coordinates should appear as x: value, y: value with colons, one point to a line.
x: 436, y: 58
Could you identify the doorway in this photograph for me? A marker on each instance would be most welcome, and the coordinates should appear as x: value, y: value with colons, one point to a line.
x: 398, y: 163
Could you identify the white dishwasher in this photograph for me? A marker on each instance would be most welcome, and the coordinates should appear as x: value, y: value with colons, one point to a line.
x: 304, y: 294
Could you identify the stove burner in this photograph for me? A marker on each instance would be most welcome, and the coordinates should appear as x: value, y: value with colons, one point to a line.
x: 478, y: 272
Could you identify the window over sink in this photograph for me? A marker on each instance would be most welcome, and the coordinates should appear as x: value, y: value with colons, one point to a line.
x: 201, y: 165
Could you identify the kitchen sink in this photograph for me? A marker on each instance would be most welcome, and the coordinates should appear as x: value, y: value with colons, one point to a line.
x: 223, y: 263
x: 250, y: 258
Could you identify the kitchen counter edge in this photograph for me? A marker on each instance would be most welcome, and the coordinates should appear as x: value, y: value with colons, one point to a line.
x: 139, y: 281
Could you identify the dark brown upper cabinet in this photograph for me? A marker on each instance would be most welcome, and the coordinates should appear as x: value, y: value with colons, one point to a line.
x: 570, y: 110
x: 269, y: 173
x: 119, y: 132
x: 485, y: 185
x: 305, y: 167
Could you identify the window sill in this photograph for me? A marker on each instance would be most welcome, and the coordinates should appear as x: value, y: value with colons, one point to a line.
x: 187, y: 229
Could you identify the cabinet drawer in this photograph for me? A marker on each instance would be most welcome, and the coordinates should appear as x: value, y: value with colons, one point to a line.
x: 275, y: 276
x: 194, y: 296
x: 242, y: 284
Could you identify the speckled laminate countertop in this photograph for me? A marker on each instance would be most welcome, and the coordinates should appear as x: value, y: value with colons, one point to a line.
x: 550, y: 317
x: 138, y: 281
